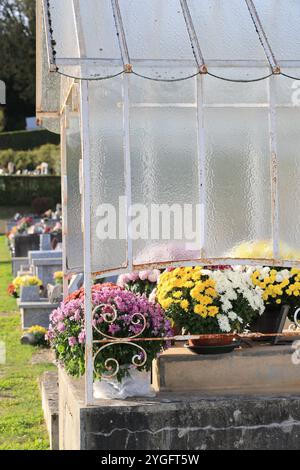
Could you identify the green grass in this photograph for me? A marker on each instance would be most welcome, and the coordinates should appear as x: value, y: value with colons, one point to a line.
x: 21, y: 419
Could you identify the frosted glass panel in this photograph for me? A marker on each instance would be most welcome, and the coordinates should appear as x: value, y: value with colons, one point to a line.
x: 64, y: 30
x: 144, y: 91
x: 225, y: 30
x: 165, y: 170
x: 222, y: 92
x: 99, y: 37
x: 74, y: 239
x: 156, y: 31
x: 107, y: 170
x: 288, y: 133
x: 280, y: 20
x: 238, y: 178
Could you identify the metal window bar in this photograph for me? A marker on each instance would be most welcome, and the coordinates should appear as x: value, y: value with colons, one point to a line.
x: 202, y: 162
x: 49, y: 36
x: 78, y: 29
x: 127, y: 165
x: 193, y: 37
x: 274, y: 168
x: 263, y: 37
x: 84, y: 109
x: 121, y: 35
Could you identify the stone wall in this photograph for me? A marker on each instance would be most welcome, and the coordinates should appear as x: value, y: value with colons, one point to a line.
x: 177, y: 422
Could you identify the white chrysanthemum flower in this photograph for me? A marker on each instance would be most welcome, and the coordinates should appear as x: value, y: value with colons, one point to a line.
x: 224, y: 324
x: 232, y: 316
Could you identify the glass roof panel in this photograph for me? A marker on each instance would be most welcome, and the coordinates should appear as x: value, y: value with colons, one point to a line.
x: 225, y: 30
x: 155, y: 30
x: 98, y: 29
x: 280, y: 20
x: 64, y: 29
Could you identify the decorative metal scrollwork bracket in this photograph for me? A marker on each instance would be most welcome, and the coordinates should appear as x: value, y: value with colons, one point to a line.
x: 112, y: 364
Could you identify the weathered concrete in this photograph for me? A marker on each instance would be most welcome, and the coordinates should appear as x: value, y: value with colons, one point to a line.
x: 177, y: 421
x: 36, y: 313
x: 262, y: 369
x: 49, y: 392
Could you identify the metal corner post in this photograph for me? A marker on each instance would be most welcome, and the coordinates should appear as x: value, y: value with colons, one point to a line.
x: 201, y: 160
x: 86, y: 227
x: 274, y: 167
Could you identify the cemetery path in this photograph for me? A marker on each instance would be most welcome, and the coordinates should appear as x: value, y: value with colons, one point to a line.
x: 21, y: 419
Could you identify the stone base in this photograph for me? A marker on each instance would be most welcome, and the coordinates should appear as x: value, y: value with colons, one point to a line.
x: 36, y: 313
x: 177, y: 421
x: 16, y: 265
x: 263, y: 369
x: 49, y: 392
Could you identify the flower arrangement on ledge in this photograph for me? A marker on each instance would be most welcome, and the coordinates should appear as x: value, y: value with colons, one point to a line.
x: 35, y: 336
x: 142, y: 282
x: 22, y: 281
x: 279, y: 286
x: 58, y: 277
x: 202, y: 301
x: 120, y: 314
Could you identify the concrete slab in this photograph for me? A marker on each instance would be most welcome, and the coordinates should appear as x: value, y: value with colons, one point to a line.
x: 178, y: 421
x: 36, y: 313
x: 49, y: 392
x: 262, y: 369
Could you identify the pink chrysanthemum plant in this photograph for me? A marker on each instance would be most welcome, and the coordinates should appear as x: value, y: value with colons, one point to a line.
x: 140, y: 282
x: 117, y: 314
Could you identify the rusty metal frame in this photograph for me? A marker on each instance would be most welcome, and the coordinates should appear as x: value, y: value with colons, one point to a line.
x: 121, y: 36
x: 263, y: 37
x: 193, y: 37
x: 49, y: 37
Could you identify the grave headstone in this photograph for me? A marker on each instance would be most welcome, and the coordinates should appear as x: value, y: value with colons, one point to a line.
x: 45, y: 242
x: 76, y: 283
x: 54, y: 293
x: 25, y: 243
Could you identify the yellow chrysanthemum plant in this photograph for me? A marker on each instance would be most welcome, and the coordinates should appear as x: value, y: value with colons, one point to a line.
x: 279, y: 286
x: 25, y: 281
x: 58, y: 277
x: 202, y: 301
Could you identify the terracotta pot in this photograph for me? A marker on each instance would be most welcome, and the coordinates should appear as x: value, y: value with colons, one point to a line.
x: 221, y: 340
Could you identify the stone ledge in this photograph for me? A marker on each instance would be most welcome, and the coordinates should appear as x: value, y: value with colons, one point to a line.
x: 263, y: 369
x: 49, y: 392
x: 177, y: 421
x: 36, y: 313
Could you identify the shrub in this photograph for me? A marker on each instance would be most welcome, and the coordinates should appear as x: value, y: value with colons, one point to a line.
x: 42, y: 204
x: 31, y: 159
x: 26, y: 140
x: 16, y: 191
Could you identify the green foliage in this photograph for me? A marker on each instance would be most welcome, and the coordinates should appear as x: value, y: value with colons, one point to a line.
x: 21, y: 418
x: 27, y: 140
x: 17, y: 59
x: 18, y: 191
x: 30, y: 159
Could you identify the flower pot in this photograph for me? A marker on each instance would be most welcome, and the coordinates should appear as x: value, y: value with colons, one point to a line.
x: 30, y: 294
x: 222, y: 344
x: 138, y: 384
x: 271, y: 321
x: 221, y: 340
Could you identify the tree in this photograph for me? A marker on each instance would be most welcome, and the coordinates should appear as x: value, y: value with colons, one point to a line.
x: 17, y: 60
